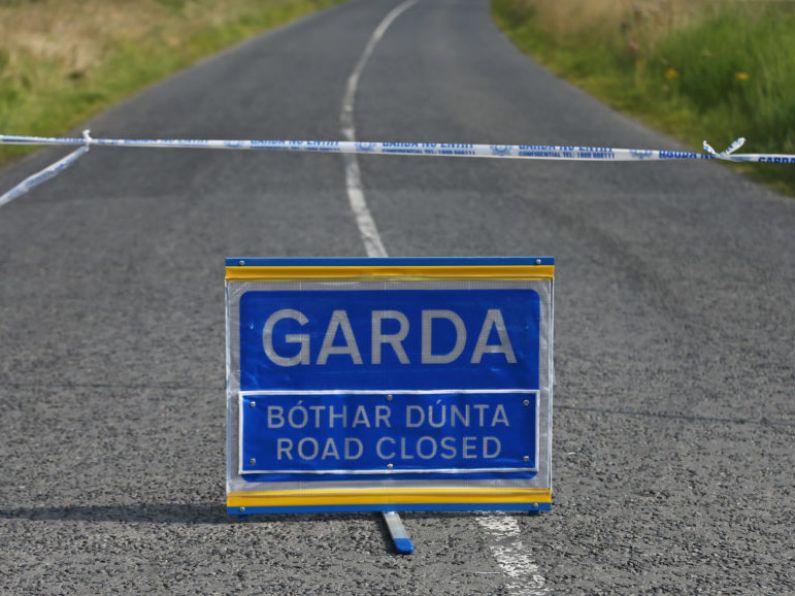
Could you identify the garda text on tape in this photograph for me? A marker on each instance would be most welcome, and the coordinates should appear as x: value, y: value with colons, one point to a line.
x: 389, y: 384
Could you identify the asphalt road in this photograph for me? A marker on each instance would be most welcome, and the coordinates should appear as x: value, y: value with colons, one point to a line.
x: 675, y: 328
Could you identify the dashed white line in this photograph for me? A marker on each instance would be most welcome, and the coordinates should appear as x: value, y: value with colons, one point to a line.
x: 514, y: 557
x: 511, y: 554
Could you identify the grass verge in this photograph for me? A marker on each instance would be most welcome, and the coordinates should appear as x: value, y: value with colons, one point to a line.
x: 62, y: 61
x: 695, y: 69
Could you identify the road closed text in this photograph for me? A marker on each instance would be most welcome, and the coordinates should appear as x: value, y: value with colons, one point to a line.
x: 370, y: 431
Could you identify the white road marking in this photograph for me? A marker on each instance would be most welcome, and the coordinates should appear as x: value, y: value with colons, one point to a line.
x: 510, y: 553
x: 514, y: 557
x: 353, y: 176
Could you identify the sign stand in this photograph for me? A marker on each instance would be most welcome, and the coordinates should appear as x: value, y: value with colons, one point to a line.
x: 400, y: 539
x: 388, y: 385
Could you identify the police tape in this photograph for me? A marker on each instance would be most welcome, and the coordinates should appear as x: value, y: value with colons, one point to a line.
x: 550, y: 152
x: 42, y: 176
x: 537, y: 152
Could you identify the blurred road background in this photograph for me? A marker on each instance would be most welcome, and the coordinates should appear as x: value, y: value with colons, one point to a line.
x: 675, y: 327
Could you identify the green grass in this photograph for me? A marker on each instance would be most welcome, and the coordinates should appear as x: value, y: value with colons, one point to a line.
x: 62, y: 61
x: 728, y: 70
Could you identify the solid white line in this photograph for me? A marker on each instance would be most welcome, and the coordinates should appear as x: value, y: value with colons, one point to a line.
x: 512, y: 557
x: 353, y: 176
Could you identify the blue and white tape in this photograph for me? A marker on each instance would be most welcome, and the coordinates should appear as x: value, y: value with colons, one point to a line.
x: 43, y: 175
x: 539, y: 152
x: 550, y: 152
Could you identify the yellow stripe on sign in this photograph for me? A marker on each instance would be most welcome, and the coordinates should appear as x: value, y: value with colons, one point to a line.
x: 403, y: 273
x: 390, y: 497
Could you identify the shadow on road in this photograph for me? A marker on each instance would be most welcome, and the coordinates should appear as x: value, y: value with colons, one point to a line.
x: 156, y: 513
x: 193, y: 513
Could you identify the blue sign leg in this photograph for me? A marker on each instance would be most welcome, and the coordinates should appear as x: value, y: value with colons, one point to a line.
x: 401, y: 540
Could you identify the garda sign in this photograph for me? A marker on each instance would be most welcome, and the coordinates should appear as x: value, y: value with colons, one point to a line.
x: 388, y: 384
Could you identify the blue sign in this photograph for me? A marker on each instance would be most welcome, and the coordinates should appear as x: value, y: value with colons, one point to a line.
x: 393, y: 433
x: 389, y: 384
x: 391, y: 340
x: 405, y: 381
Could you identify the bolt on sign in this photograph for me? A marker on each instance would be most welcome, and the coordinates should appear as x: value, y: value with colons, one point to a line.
x: 389, y: 384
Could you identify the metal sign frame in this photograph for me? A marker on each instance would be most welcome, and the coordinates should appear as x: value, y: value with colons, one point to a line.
x: 253, y: 489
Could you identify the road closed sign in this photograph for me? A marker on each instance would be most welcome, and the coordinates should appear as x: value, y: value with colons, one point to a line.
x: 389, y: 384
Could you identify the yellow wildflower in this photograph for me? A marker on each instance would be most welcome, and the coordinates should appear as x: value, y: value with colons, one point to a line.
x: 742, y: 76
x: 671, y: 74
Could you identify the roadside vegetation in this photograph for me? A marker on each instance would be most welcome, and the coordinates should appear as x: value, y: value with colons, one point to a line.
x: 61, y: 61
x: 697, y: 69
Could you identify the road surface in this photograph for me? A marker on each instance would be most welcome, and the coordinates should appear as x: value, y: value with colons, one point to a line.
x: 675, y: 327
